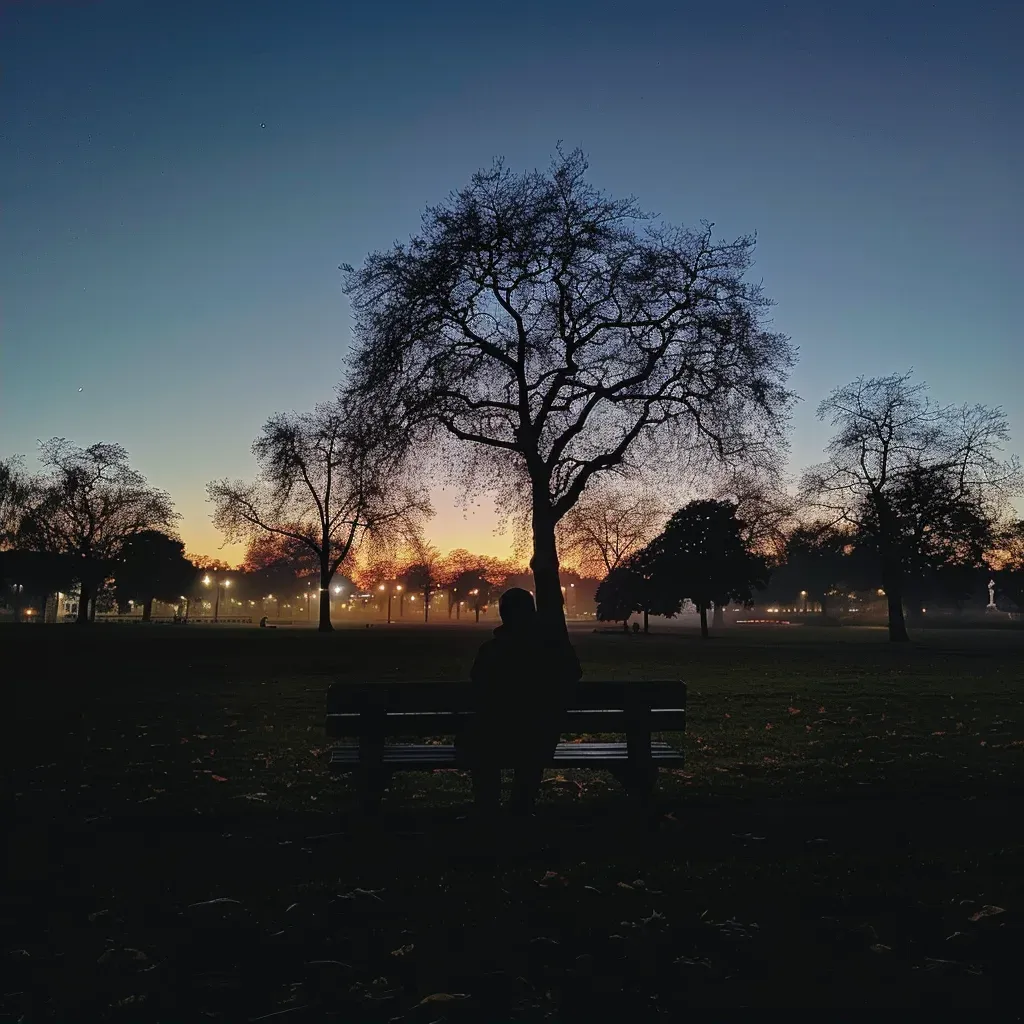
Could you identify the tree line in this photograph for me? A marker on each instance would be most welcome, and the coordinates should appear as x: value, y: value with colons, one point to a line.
x: 544, y: 342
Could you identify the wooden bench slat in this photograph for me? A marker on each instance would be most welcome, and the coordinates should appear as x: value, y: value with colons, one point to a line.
x: 447, y: 722
x: 346, y: 757
x: 461, y: 696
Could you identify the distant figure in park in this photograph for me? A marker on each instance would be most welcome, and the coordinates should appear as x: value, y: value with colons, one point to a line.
x: 263, y: 622
x: 520, y: 674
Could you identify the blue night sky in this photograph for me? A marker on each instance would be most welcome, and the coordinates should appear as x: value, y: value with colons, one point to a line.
x: 180, y: 181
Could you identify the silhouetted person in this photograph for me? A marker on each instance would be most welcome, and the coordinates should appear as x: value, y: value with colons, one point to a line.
x: 520, y: 674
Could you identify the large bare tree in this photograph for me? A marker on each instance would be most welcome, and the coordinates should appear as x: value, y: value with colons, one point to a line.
x: 901, y: 466
x: 88, y: 504
x: 328, y: 480
x: 558, y: 333
x: 606, y: 526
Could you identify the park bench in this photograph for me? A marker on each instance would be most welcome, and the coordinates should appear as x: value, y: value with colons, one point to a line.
x: 379, y: 719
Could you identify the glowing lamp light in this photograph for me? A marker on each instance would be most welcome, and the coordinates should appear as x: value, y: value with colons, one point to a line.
x: 206, y: 580
x: 382, y: 587
x: 227, y: 583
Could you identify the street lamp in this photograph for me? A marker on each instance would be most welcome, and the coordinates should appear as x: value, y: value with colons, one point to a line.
x: 803, y: 594
x: 401, y: 601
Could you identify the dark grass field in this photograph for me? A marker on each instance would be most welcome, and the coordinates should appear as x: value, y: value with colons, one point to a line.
x: 847, y: 834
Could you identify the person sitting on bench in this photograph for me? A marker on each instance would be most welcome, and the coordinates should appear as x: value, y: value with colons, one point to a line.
x: 520, y: 674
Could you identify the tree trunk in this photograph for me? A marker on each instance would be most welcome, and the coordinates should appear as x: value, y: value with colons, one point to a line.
x: 92, y: 609
x: 704, y: 621
x: 147, y: 610
x: 718, y: 621
x: 893, y: 583
x: 824, y: 606
x: 477, y: 611
x: 325, y: 598
x: 426, y: 606
x: 550, y: 600
x: 84, y: 595
x: 646, y: 624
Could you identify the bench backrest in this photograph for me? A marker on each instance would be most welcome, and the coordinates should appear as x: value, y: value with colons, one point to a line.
x: 433, y: 708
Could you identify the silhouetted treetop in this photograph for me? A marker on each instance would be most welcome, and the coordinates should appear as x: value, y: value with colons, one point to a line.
x: 561, y: 332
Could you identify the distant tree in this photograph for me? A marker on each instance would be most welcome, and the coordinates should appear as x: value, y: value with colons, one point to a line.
x: 327, y: 480
x: 818, y: 562
x: 207, y: 563
x: 619, y: 594
x: 701, y: 556
x: 940, y: 533
x: 1007, y: 564
x: 901, y: 467
x: 425, y: 574
x: 152, y: 566
x: 466, y: 588
x: 553, y: 334
x: 87, y: 505
x: 606, y: 526
x: 274, y: 563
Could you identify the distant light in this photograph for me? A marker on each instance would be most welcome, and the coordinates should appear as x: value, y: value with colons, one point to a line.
x: 337, y: 590
x: 206, y: 580
x: 399, y: 587
x: 381, y: 587
x: 227, y: 583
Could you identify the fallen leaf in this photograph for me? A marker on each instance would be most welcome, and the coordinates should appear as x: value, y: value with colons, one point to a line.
x: 987, y: 911
x: 403, y: 950
x: 793, y: 711
x: 443, y: 997
x: 218, y: 778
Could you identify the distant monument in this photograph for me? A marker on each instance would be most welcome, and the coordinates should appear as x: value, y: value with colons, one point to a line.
x: 991, y: 606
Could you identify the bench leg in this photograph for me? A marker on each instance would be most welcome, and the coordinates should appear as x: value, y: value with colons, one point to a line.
x: 638, y: 781
x: 372, y: 783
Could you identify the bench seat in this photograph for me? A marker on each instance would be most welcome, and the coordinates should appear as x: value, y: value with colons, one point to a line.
x: 427, y: 756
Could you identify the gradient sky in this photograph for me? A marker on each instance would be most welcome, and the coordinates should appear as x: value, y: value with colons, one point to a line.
x: 180, y: 181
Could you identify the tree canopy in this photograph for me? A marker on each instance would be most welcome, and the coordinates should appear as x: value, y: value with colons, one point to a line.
x: 702, y: 556
x: 328, y: 480
x: 87, y: 504
x: 557, y: 334
x: 916, y: 479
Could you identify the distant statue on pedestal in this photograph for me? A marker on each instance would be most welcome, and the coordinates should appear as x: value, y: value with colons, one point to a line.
x: 991, y: 596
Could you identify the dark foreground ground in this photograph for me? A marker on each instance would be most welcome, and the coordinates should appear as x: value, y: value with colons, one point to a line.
x: 848, y: 834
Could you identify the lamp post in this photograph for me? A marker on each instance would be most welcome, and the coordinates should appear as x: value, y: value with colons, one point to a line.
x: 388, y: 589
x: 217, y: 584
x: 401, y: 601
x: 803, y: 595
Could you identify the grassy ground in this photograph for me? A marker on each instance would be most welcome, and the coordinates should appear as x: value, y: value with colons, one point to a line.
x: 846, y: 833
